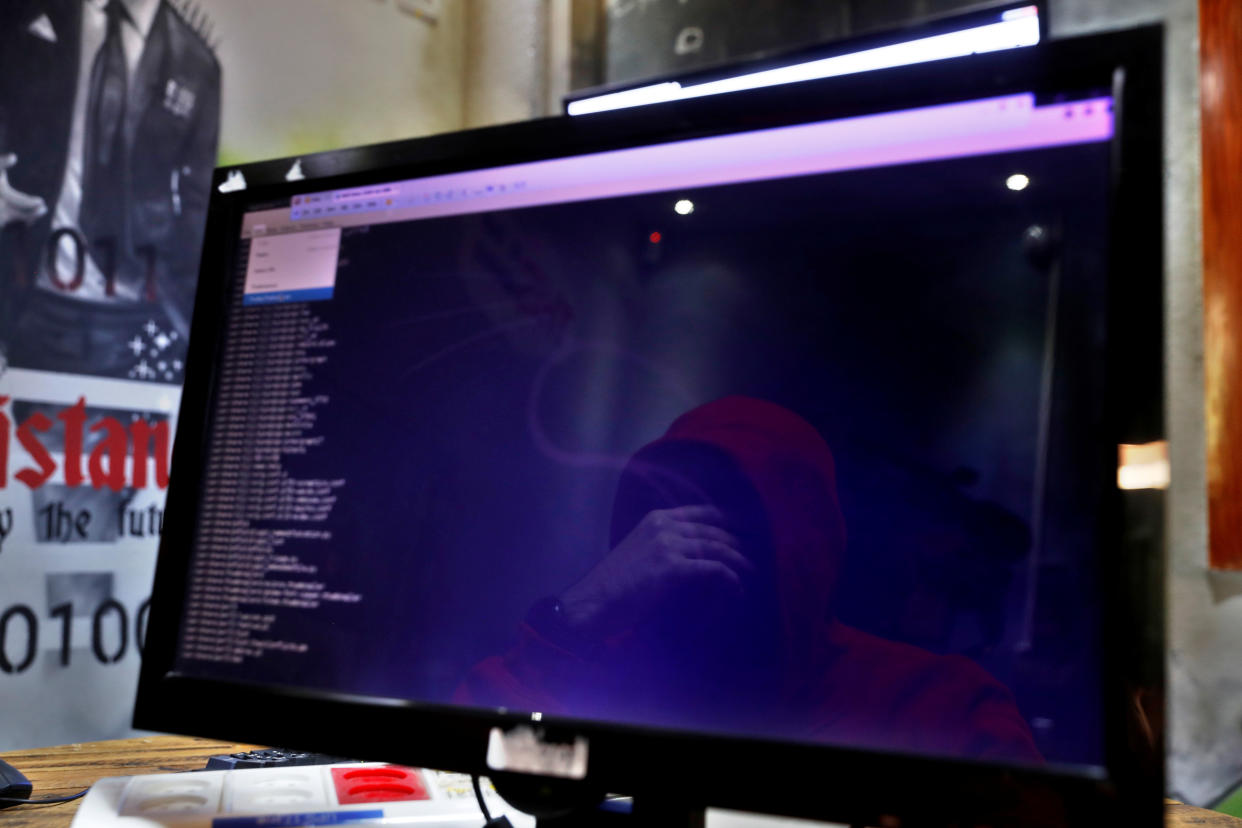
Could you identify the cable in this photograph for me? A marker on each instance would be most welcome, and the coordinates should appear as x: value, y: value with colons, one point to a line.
x: 478, y: 794
x: 51, y: 800
x: 498, y: 822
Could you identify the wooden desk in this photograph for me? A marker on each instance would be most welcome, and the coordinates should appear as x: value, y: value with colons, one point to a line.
x: 67, y: 769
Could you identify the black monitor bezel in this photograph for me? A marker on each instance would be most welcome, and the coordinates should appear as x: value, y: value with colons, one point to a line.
x: 799, y: 779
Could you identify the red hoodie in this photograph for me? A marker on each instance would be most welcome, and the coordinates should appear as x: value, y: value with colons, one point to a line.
x: 836, y: 684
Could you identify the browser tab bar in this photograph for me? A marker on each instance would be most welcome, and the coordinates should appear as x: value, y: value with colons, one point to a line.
x: 989, y: 125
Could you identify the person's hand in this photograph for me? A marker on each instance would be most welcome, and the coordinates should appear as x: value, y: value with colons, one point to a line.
x: 14, y: 204
x: 669, y: 550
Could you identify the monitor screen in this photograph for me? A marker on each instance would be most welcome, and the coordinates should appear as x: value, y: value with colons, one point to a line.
x: 790, y: 433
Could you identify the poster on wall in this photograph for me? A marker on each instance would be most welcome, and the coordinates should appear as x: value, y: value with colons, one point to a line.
x: 109, y: 122
x: 113, y: 114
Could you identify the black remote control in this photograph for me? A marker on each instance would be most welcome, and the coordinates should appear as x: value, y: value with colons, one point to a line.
x: 271, y: 758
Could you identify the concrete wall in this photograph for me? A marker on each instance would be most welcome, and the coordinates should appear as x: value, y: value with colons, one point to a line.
x: 505, y: 72
x: 307, y: 75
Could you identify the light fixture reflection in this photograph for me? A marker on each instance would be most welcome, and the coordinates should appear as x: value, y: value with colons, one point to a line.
x: 684, y: 207
x: 1017, y: 181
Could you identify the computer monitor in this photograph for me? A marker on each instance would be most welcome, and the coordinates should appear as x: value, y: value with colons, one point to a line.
x: 758, y: 451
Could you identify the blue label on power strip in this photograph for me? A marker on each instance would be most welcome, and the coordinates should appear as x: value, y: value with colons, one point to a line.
x: 293, y: 820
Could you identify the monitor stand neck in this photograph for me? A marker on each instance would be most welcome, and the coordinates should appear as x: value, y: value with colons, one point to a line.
x: 560, y: 803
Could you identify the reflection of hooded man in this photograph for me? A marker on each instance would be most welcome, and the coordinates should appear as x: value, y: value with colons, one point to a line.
x: 714, y: 610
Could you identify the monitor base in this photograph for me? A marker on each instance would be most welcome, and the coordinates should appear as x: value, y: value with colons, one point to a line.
x: 561, y: 803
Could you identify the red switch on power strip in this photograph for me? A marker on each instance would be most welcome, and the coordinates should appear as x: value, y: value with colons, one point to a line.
x: 389, y: 783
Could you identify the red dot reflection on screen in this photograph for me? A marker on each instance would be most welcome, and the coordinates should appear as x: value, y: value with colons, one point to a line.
x: 655, y: 237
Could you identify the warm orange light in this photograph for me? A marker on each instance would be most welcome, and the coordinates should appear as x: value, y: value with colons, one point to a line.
x: 1143, y: 466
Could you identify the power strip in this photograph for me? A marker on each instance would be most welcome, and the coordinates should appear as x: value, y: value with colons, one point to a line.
x: 290, y: 796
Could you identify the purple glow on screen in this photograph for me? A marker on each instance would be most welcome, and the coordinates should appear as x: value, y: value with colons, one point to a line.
x: 957, y: 130
x: 712, y: 440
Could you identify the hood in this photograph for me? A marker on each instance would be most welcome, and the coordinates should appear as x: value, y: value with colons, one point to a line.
x: 790, y: 473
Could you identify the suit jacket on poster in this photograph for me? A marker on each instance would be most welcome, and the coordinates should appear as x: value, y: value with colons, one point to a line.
x: 170, y: 129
